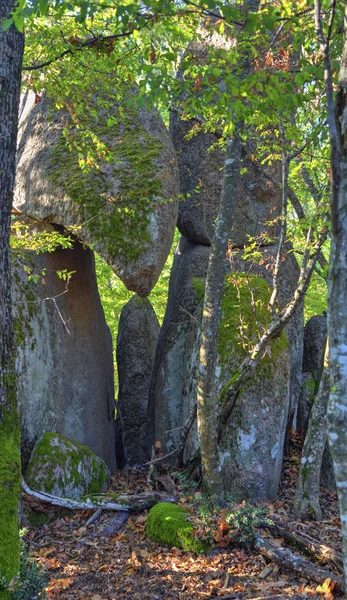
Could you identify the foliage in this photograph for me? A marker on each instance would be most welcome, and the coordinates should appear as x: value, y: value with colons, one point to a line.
x: 31, y: 581
x: 242, y: 521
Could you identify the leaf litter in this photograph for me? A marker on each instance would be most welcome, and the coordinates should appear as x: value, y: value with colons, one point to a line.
x: 112, y: 559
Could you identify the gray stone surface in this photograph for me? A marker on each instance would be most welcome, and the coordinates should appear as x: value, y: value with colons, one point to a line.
x: 175, y: 345
x: 252, y: 441
x: 136, y: 345
x: 201, y: 175
x: 64, y: 354
x: 127, y: 207
x: 288, y: 277
x: 315, y: 335
x: 62, y: 467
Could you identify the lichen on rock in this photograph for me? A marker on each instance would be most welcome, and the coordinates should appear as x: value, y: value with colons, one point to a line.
x: 62, y: 467
x: 110, y: 170
x: 251, y: 448
x: 168, y: 524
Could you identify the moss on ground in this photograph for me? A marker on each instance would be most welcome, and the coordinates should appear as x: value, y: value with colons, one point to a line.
x: 55, y: 450
x: 168, y: 524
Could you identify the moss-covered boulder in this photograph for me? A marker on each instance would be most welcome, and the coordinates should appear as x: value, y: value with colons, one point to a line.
x: 108, y: 168
x: 169, y: 525
x: 62, y: 467
x: 251, y: 448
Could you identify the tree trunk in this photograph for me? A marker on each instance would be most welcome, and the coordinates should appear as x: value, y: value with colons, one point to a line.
x: 307, y: 491
x: 206, y: 392
x: 337, y: 314
x: 11, y: 51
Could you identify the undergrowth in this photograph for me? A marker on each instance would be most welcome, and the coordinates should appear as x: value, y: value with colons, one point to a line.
x: 221, y: 523
x: 31, y: 581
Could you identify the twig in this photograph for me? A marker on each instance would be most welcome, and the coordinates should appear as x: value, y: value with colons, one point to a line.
x: 151, y: 462
x: 94, y: 517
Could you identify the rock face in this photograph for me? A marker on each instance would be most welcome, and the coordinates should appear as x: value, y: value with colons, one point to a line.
x: 251, y: 446
x: 288, y: 277
x: 175, y: 345
x: 315, y: 335
x: 136, y: 345
x: 64, y: 354
x: 123, y: 198
x: 201, y: 176
x: 201, y: 164
x: 61, y: 467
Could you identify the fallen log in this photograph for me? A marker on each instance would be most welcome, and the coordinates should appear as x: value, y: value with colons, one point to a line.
x: 125, y: 502
x: 308, y: 544
x: 285, y: 558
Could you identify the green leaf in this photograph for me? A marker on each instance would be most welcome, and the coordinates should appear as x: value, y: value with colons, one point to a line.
x: 6, y: 24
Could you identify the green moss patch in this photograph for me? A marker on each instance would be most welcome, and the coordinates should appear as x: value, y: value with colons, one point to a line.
x: 244, y: 318
x: 168, y: 524
x: 9, y: 483
x: 63, y: 467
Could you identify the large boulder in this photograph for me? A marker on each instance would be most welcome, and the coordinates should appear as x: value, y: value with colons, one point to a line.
x: 61, y: 467
x: 262, y: 264
x: 114, y: 176
x: 136, y: 345
x: 315, y: 336
x: 251, y: 446
x: 174, y: 357
x: 201, y: 162
x: 64, y: 361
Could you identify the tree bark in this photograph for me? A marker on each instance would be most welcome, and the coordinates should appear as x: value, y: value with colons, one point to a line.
x: 11, y: 52
x: 337, y: 314
x: 206, y: 392
x: 307, y: 492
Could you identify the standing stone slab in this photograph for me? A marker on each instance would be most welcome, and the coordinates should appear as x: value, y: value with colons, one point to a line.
x: 136, y: 345
x: 175, y: 344
x: 288, y: 277
x: 315, y: 336
x: 64, y: 356
x: 124, y: 200
x: 251, y: 446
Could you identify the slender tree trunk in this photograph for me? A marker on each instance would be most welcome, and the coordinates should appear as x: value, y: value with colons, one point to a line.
x: 307, y: 492
x: 337, y: 283
x: 206, y: 393
x: 11, y: 51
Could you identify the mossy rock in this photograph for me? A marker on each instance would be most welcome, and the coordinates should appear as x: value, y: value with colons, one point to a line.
x: 63, y: 467
x: 110, y: 170
x: 168, y: 525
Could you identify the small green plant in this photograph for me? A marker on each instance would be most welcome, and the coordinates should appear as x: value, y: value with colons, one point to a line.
x: 185, y: 485
x: 31, y: 581
x: 243, y: 520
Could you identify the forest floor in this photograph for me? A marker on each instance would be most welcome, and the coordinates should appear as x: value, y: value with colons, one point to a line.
x: 107, y: 561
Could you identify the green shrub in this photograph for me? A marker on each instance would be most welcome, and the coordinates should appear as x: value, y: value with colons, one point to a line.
x: 243, y: 520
